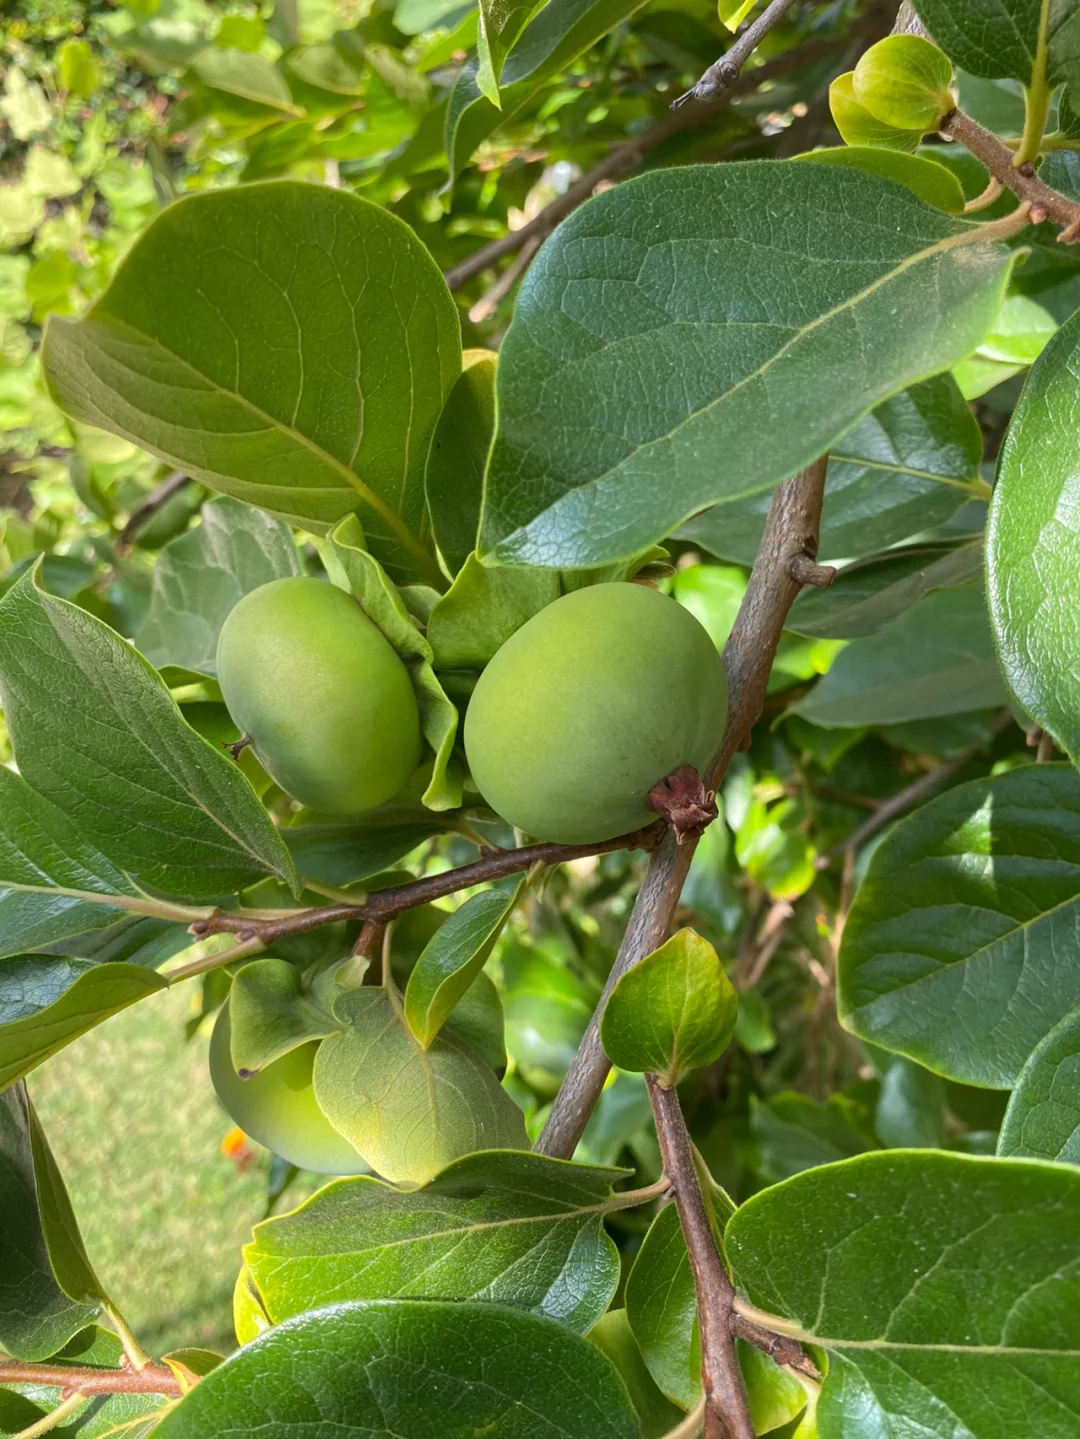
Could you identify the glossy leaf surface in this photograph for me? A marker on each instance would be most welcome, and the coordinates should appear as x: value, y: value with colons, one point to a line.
x: 452, y: 959
x: 995, y: 38
x: 1043, y: 1117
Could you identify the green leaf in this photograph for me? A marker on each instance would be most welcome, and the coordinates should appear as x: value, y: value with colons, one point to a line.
x: 377, y: 596
x: 302, y: 367
x: 67, y: 1253
x: 998, y: 38
x: 614, y: 1338
x: 884, y: 1260
x: 677, y: 245
x: 428, y: 1370
x: 501, y: 22
x: 910, y: 1110
x: 662, y: 1310
x: 929, y: 180
x: 112, y: 1416
x: 96, y: 731
x: 478, y: 1019
x: 1033, y: 545
x: 1020, y: 333
x: 672, y: 1012
x: 952, y: 950
x: 93, y: 995
x: 937, y: 658
x: 553, y: 39
x: 76, y: 68
x: 483, y: 608
x: 454, y: 478
x: 340, y: 853
x: 270, y: 1015
x: 908, y: 466
x: 238, y: 72
x: 868, y: 594
x: 202, y: 574
x: 453, y: 958
x: 409, y: 1111
x: 36, y: 1317
x: 504, y: 1227
x: 1043, y: 1117
x: 792, y: 1132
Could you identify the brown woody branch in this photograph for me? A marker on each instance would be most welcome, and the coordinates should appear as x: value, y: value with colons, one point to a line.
x: 725, y: 72
x: 791, y: 529
x: 152, y: 1379
x: 386, y: 904
x: 727, y: 1411
x: 1046, y: 204
x: 143, y: 513
x: 780, y: 1348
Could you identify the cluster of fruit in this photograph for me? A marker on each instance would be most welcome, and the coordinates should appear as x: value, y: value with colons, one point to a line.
x: 579, y: 714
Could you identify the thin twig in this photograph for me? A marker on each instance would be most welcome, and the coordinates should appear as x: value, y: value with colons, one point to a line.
x: 925, y: 785
x: 727, y: 1410
x: 153, y: 1379
x: 1046, y: 204
x: 155, y: 500
x: 724, y: 73
x: 486, y: 306
x: 48, y: 1422
x: 626, y: 157
x: 781, y: 1348
x: 791, y: 529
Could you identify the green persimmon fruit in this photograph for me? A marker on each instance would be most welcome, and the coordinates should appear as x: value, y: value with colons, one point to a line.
x: 325, y: 698
x: 587, y: 706
x: 277, y: 1107
x: 856, y: 124
x: 904, y: 81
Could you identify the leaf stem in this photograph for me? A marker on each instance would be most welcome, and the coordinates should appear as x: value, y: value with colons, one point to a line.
x: 217, y: 960
x: 136, y: 1354
x: 1036, y: 95
x: 632, y: 1198
x: 690, y: 1427
x: 48, y: 1422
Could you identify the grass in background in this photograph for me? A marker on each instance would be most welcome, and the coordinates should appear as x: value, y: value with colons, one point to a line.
x: 136, y: 1128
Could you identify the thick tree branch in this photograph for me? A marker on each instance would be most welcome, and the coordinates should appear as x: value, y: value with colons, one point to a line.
x: 727, y: 1410
x: 1046, y: 204
x: 791, y: 530
x: 153, y: 1379
x: 385, y: 904
x: 725, y: 72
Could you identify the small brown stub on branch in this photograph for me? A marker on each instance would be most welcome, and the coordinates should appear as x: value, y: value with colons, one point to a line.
x: 683, y: 802
x: 805, y: 570
x: 235, y: 748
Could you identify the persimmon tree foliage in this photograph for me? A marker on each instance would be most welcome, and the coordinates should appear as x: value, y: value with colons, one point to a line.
x: 694, y: 1039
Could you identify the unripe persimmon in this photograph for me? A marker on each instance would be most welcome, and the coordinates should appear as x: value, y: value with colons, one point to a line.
x: 323, y: 695
x: 587, y: 706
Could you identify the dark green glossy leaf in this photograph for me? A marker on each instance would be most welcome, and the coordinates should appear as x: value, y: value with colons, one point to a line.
x: 943, y: 1287
x: 91, y: 994
x: 453, y: 958
x: 995, y: 38
x: 1043, y: 1117
x: 201, y: 575
x: 505, y: 1227
x: 936, y: 658
x: 407, y: 1110
x: 339, y: 852
x: 1033, y: 545
x: 792, y: 1132
x: 685, y: 366
x: 36, y: 1317
x: 96, y: 731
x: 426, y: 1370
x: 907, y: 467
x: 454, y: 478
x: 868, y: 594
x: 301, y: 367
x: 953, y: 950
x: 910, y: 1110
x: 672, y: 1012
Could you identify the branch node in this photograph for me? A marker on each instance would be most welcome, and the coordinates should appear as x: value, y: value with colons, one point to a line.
x: 235, y: 748
x: 682, y: 800
x: 804, y: 570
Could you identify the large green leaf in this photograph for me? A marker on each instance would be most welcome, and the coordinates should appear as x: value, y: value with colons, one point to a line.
x: 905, y: 468
x: 395, y: 1368
x: 1033, y: 544
x: 300, y: 366
x: 96, y: 731
x: 1043, y: 1117
x: 338, y: 852
x: 409, y: 1111
x: 868, y: 594
x: 936, y: 658
x: 201, y: 575
x: 662, y: 1310
x: 36, y: 1317
x: 997, y: 38
x: 505, y: 1227
x: 944, y: 1288
x: 89, y: 996
x: 238, y: 72
x: 748, y: 337
x: 549, y: 44
x: 960, y: 948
